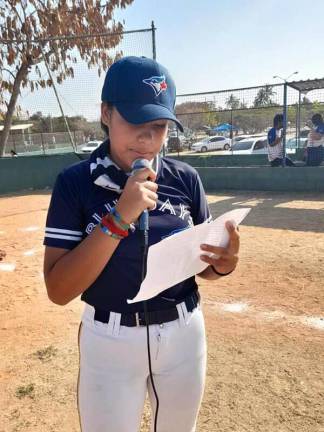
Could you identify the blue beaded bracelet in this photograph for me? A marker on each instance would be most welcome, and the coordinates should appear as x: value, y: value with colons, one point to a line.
x: 119, y: 220
x: 105, y: 230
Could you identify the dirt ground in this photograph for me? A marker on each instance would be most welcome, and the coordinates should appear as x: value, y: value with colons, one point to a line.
x: 265, y: 323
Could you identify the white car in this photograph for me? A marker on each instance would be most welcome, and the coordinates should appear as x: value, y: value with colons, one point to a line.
x: 292, y: 143
x: 251, y: 146
x: 254, y: 146
x: 242, y: 137
x: 90, y: 146
x: 212, y: 143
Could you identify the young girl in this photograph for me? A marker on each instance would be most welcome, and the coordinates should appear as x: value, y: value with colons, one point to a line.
x: 93, y: 248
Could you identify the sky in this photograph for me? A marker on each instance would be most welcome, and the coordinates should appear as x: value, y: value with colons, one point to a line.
x: 210, y: 45
x: 220, y: 44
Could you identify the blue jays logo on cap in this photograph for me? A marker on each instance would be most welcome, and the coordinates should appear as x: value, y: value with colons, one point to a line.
x: 158, y: 84
x: 136, y: 103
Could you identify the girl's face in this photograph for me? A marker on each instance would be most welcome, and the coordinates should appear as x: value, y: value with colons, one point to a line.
x: 128, y: 141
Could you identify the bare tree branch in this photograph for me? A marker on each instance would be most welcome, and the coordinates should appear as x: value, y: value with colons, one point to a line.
x: 30, y: 27
x: 13, y: 8
x: 9, y: 71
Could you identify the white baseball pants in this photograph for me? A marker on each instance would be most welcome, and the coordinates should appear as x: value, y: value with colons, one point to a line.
x: 114, y: 374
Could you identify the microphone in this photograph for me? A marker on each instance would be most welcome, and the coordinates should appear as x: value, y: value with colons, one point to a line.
x: 143, y: 219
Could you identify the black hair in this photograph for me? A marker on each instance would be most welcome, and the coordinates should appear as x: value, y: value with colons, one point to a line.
x: 278, y: 118
x: 317, y: 119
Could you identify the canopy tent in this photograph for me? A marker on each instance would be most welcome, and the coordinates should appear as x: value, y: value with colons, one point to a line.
x: 307, y: 85
x: 224, y: 127
x: 303, y: 87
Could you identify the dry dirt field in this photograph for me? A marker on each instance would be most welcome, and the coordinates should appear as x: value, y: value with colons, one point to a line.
x: 265, y: 323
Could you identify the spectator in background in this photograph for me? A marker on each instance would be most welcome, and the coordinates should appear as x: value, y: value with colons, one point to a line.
x: 275, y: 145
x: 315, y: 142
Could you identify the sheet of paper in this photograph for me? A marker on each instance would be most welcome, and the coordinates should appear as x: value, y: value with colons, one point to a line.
x: 177, y: 257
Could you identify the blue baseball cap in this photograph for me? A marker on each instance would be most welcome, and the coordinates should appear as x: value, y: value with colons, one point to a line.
x: 141, y: 89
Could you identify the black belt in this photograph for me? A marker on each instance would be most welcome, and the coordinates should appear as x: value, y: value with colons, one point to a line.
x: 154, y: 317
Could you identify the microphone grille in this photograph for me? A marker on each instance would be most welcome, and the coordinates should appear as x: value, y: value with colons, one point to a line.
x: 140, y: 163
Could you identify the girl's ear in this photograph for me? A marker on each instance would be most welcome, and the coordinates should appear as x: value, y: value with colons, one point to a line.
x: 106, y: 114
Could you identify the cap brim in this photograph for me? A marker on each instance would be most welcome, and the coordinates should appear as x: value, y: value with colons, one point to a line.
x: 138, y: 114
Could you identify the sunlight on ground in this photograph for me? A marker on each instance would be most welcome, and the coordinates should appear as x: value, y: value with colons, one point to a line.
x: 309, y: 205
x: 213, y: 199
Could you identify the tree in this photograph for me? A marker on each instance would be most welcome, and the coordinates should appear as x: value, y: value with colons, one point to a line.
x: 263, y: 97
x: 195, y: 115
x: 34, y: 31
x: 305, y: 100
x: 233, y: 102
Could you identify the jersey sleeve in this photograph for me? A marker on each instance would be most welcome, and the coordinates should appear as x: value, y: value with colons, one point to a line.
x: 320, y: 129
x: 64, y: 224
x: 272, y: 135
x: 200, y: 207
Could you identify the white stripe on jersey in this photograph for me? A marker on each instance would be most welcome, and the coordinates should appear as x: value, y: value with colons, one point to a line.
x: 63, y: 231
x: 276, y: 151
x: 63, y: 237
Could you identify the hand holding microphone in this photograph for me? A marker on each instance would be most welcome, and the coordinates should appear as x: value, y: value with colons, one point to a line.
x: 139, y: 193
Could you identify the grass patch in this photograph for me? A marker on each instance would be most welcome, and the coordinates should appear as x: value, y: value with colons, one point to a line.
x: 46, y: 354
x: 24, y: 391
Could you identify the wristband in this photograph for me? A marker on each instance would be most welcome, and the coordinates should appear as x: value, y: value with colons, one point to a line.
x: 108, y: 222
x: 116, y: 216
x: 221, y: 274
x: 105, y: 230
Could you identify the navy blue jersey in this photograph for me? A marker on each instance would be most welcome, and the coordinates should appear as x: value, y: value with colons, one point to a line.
x: 77, y: 205
x: 320, y: 128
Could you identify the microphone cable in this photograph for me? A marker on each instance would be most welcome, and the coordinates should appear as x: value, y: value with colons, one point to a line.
x: 144, y: 228
x: 144, y: 247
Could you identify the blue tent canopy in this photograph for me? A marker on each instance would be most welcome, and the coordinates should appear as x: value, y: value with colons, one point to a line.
x: 224, y: 127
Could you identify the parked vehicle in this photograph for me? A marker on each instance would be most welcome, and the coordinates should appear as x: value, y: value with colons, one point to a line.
x: 304, y: 132
x: 176, y: 142
x: 90, y: 146
x: 212, y: 143
x: 242, y: 137
x: 292, y: 143
x: 254, y: 146
x: 251, y: 146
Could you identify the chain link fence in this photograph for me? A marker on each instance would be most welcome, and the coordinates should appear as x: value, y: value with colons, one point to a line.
x: 250, y: 111
x: 79, y: 97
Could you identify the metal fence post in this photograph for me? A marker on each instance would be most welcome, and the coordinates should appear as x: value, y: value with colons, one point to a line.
x: 153, y: 41
x: 42, y: 140
x: 298, y: 120
x: 284, y: 129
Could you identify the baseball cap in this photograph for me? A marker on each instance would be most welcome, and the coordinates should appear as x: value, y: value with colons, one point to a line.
x: 141, y: 89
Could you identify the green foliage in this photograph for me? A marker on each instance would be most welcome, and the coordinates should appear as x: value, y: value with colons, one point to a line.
x: 194, y: 115
x: 233, y: 102
x: 263, y: 97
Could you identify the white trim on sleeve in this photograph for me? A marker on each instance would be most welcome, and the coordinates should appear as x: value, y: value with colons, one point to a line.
x: 62, y: 234
x: 63, y: 237
x: 62, y: 231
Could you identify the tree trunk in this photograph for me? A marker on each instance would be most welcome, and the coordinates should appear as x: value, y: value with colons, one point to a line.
x: 22, y: 72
